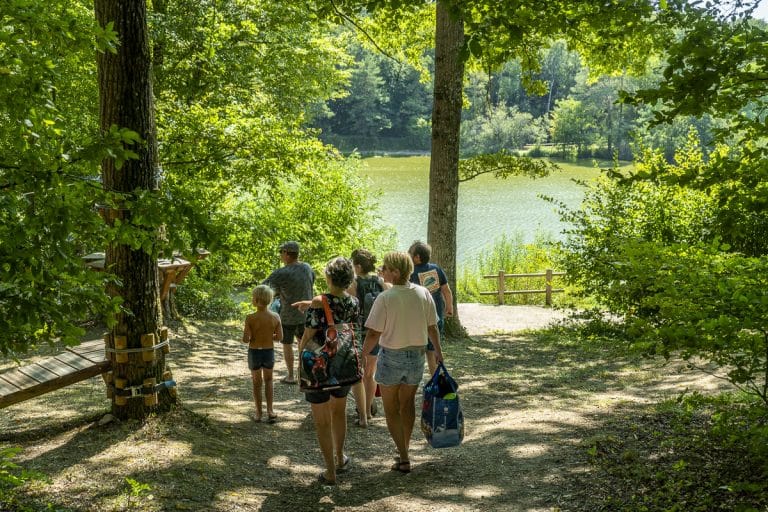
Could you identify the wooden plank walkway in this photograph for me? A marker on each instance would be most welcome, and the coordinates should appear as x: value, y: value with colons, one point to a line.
x: 73, y: 365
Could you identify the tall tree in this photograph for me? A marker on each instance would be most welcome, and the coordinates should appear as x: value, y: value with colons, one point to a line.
x: 126, y: 103
x: 446, y: 127
x: 497, y: 31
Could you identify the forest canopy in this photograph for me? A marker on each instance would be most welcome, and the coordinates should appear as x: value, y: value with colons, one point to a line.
x: 238, y: 169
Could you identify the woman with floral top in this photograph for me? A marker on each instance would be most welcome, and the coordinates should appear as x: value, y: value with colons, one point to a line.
x: 328, y: 407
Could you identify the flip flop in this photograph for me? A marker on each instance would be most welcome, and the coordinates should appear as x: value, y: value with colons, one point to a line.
x: 345, y: 466
x: 255, y: 418
x: 324, y: 481
x: 272, y: 418
x: 285, y: 380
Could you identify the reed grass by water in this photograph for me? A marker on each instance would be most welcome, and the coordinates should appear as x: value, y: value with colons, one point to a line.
x: 514, y: 256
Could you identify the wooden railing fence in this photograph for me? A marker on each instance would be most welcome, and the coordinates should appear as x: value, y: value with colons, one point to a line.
x: 501, y: 290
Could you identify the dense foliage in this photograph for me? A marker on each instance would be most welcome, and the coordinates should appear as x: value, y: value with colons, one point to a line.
x: 239, y: 172
x: 677, y: 251
x: 545, y: 97
x: 49, y: 157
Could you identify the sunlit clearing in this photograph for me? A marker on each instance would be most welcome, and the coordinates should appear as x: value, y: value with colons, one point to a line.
x: 528, y: 451
x: 482, y: 491
x: 281, y: 462
x: 123, y: 455
x: 244, y: 497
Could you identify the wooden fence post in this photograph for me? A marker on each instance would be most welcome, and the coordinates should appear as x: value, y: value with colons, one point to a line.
x: 548, y: 286
x: 501, y: 287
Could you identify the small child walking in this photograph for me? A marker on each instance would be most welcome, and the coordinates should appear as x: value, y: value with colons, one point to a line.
x: 262, y: 330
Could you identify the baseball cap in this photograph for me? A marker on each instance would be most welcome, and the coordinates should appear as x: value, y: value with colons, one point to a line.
x: 290, y: 246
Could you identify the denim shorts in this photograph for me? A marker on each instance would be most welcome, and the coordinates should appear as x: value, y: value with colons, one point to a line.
x: 261, y: 358
x: 405, y: 366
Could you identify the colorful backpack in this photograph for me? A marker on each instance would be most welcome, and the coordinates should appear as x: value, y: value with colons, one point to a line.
x: 336, y: 362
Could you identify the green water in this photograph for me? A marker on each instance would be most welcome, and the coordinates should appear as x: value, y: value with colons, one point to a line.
x: 488, y: 207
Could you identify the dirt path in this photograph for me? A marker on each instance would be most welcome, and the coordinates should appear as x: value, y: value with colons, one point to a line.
x: 482, y: 319
x: 532, y: 404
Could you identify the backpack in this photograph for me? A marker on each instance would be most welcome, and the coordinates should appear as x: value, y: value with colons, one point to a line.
x: 368, y: 288
x: 333, y: 364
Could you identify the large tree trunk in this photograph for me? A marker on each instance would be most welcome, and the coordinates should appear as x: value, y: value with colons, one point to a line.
x: 125, y: 91
x: 444, y: 164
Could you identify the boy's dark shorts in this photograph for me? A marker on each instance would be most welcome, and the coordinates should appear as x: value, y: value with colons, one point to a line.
x: 441, y: 330
x: 320, y: 397
x: 261, y: 358
x: 292, y: 331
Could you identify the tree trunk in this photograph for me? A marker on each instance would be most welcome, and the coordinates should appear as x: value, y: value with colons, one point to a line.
x: 125, y: 92
x: 444, y: 164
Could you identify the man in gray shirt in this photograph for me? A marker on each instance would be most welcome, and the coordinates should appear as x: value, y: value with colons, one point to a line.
x: 293, y: 282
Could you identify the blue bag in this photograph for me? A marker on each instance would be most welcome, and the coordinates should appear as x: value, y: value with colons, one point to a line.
x: 442, y: 420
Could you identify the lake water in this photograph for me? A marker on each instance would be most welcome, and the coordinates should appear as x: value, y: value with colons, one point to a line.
x: 489, y: 208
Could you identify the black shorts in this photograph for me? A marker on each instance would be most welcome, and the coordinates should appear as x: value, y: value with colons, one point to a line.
x: 292, y: 331
x: 320, y: 397
x: 261, y: 358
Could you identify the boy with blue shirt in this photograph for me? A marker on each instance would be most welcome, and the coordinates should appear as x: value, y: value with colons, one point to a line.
x: 431, y: 277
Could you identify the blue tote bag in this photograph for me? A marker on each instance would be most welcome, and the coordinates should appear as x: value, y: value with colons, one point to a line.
x: 442, y: 419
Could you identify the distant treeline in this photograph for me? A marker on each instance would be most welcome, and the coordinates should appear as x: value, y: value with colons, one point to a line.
x: 388, y: 109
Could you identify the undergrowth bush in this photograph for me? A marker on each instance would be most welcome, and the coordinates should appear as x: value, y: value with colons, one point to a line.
x: 206, y: 293
x: 12, y: 476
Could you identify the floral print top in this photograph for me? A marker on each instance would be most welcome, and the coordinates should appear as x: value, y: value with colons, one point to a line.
x: 344, y: 309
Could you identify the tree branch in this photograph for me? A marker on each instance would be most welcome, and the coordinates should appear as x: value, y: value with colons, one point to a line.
x: 361, y: 29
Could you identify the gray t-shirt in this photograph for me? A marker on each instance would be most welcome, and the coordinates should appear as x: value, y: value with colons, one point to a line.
x: 292, y: 283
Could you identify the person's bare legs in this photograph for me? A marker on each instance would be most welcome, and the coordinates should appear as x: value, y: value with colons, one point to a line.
x: 267, y: 377
x: 256, y: 381
x: 400, y: 411
x: 369, y: 383
x: 323, y: 417
x: 407, y: 400
x: 339, y: 427
x: 288, y: 358
x: 358, y: 391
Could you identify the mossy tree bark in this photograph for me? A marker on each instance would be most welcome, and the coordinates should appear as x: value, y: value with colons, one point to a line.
x: 126, y: 101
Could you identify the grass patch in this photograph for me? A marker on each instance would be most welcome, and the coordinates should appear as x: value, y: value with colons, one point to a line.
x: 695, y: 453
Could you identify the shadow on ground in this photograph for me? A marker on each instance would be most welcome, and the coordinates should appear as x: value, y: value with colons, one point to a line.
x: 532, y: 402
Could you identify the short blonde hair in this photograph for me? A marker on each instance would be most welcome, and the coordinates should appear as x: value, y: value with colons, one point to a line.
x: 263, y: 295
x: 400, y: 261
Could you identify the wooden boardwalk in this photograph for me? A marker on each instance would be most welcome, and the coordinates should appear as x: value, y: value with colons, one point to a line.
x: 73, y: 365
